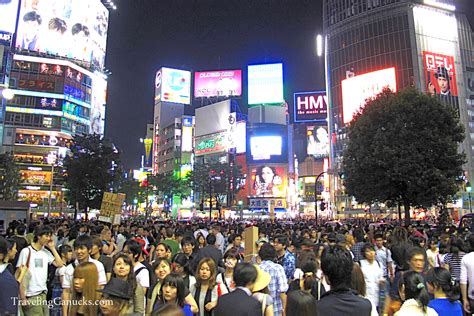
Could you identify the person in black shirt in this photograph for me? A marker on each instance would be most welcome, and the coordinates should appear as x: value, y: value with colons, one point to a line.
x: 341, y: 300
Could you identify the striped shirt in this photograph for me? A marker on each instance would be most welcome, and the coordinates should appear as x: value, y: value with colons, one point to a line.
x: 278, y: 284
x: 454, y: 263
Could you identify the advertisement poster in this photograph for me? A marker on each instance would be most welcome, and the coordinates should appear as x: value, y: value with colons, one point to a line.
x: 8, y: 10
x: 173, y: 85
x: 217, y: 83
x: 317, y: 141
x: 75, y: 29
x: 440, y: 74
x: 310, y: 106
x: 268, y: 181
x: 99, y: 95
x: 265, y: 84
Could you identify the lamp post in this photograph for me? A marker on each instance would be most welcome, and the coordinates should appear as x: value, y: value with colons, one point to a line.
x: 51, y: 158
x: 315, y: 196
x: 469, y: 189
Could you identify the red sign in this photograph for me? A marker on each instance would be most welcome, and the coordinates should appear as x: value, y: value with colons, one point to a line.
x: 440, y: 74
x: 38, y: 85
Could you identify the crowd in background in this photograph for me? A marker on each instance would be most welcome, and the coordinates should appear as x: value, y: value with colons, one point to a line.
x: 63, y: 267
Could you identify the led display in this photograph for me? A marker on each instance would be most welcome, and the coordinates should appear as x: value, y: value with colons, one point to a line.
x: 217, y: 83
x: 173, y: 85
x: 267, y: 143
x: 310, y: 106
x: 268, y: 181
x: 265, y: 84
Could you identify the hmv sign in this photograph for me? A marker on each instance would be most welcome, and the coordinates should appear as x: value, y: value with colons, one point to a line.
x: 310, y: 106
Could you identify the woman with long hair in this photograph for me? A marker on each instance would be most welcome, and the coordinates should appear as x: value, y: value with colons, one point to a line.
x: 446, y: 292
x: 308, y: 282
x: 173, y: 291
x: 180, y: 265
x: 414, y: 296
x: 201, y: 240
x: 452, y: 260
x: 206, y: 290
x: 85, y: 285
x: 161, y: 268
x: 231, y: 258
x: 123, y: 269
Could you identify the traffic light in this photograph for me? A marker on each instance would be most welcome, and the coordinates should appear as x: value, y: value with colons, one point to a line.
x: 323, y: 206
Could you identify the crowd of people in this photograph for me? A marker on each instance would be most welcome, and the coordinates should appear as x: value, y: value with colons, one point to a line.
x: 62, y: 267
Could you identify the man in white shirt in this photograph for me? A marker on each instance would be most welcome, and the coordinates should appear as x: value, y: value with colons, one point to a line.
x: 220, y: 240
x: 134, y: 250
x: 82, y: 248
x: 467, y: 277
x: 37, y: 258
x: 373, y: 274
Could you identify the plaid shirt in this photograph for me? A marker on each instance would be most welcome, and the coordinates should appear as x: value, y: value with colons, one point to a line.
x: 288, y: 261
x: 357, y: 251
x: 278, y: 284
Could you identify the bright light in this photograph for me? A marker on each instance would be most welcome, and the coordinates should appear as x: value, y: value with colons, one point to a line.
x: 440, y: 5
x: 319, y: 45
x: 265, y: 84
x: 8, y: 94
x: 263, y: 147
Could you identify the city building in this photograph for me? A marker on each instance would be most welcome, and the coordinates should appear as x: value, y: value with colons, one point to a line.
x: 55, y: 73
x: 396, y: 43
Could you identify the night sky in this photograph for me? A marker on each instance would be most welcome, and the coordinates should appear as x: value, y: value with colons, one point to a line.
x: 195, y: 35
x: 202, y: 35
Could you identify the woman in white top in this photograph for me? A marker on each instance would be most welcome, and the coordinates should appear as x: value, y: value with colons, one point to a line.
x: 373, y: 273
x: 231, y: 258
x: 414, y: 295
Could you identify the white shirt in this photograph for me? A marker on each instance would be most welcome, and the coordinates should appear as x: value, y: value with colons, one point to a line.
x: 143, y: 277
x: 39, y: 261
x: 69, y: 273
x: 220, y: 242
x: 373, y: 274
x: 467, y: 273
x: 412, y: 308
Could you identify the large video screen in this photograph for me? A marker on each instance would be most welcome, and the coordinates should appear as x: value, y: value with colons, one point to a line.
x: 75, y: 29
x: 267, y: 143
x: 217, y: 83
x: 265, y: 84
x: 356, y: 90
x: 8, y: 10
x: 173, y: 85
x: 268, y: 181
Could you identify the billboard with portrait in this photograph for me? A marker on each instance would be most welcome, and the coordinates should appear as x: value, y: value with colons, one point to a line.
x: 75, y: 29
x: 310, y: 106
x: 217, y: 83
x: 99, y: 99
x: 317, y: 141
x: 173, y: 85
x: 268, y: 181
x: 265, y: 84
x: 356, y: 90
x: 8, y: 10
x: 267, y: 143
x: 440, y: 74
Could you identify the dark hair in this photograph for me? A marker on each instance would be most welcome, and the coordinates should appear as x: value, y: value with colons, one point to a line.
x: 167, y: 247
x: 78, y: 27
x: 168, y: 309
x: 336, y: 263
x: 233, y: 237
x: 232, y: 253
x: 182, y: 260
x: 415, y: 251
x: 267, y: 252
x: 378, y: 235
x: 20, y: 229
x: 131, y: 278
x: 42, y: 230
x: 414, y: 288
x: 211, y: 239
x: 57, y: 24
x: 457, y: 246
x: 64, y: 249
x: 244, y: 273
x: 174, y: 280
x: 441, y: 278
x: 97, y: 241
x: 470, y: 240
x: 358, y: 280
x: 134, y: 247
x: 83, y: 241
x: 301, y: 303
x: 367, y: 246
x: 282, y: 239
x: 358, y: 234
x: 4, y: 247
x: 188, y: 240
x: 158, y: 262
x: 32, y: 16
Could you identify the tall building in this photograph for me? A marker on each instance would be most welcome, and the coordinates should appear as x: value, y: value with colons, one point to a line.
x: 371, y: 44
x: 53, y: 62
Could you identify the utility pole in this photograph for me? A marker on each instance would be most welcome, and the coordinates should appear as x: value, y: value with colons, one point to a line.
x: 316, y: 196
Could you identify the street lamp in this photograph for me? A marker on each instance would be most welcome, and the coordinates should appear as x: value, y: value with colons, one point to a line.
x: 51, y: 159
x: 469, y: 189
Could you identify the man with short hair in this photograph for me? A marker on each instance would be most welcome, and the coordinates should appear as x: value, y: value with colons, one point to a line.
x: 210, y: 251
x: 37, y: 258
x: 220, y: 240
x: 240, y: 301
x: 134, y: 250
x: 170, y: 241
x: 285, y: 258
x: 341, y: 300
x: 96, y: 254
x: 20, y: 241
x: 279, y: 283
x: 467, y: 278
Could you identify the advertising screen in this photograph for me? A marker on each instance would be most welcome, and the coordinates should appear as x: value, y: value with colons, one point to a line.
x: 208, y: 144
x: 356, y: 90
x: 217, y: 83
x: 8, y: 10
x: 440, y: 74
x: 187, y: 139
x: 265, y: 84
x: 317, y: 144
x: 75, y: 29
x: 173, y: 85
x: 99, y: 94
x: 268, y: 181
x: 267, y: 143
x: 310, y: 106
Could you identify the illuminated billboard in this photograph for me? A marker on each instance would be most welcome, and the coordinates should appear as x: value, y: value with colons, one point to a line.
x: 8, y: 10
x: 268, y: 181
x: 217, y: 83
x: 265, y: 84
x: 99, y: 95
x: 173, y: 85
x: 356, y: 90
x: 267, y: 143
x: 440, y: 74
x: 310, y: 106
x: 75, y: 29
x: 317, y: 141
x: 210, y: 144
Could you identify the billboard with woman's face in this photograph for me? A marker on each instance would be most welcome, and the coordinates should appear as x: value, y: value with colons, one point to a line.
x: 268, y: 181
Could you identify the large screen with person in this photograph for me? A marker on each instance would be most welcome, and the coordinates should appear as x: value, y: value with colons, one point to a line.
x: 75, y: 29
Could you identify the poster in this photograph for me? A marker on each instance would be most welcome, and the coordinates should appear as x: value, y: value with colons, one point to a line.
x: 440, y: 74
x: 268, y: 181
